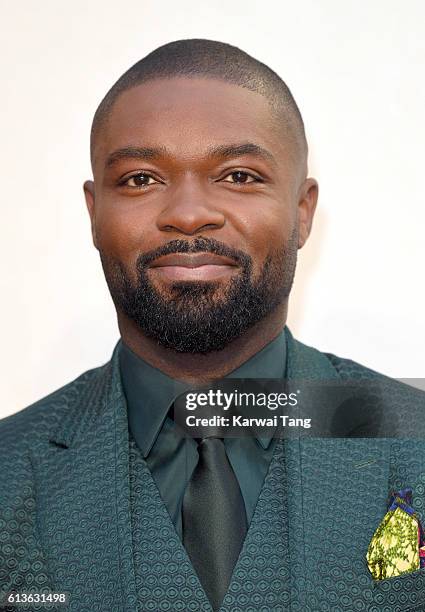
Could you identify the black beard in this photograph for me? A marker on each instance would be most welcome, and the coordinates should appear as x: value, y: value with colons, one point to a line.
x: 200, y: 317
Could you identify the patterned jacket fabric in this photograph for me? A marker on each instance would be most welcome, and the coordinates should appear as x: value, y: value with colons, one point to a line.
x: 81, y: 514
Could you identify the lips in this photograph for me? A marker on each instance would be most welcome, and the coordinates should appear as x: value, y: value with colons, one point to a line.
x: 192, y: 260
x: 193, y: 266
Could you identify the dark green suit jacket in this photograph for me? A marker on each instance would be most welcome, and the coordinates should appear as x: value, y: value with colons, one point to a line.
x: 71, y: 522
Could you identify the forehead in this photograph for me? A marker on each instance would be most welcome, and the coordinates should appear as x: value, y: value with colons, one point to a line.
x: 188, y: 116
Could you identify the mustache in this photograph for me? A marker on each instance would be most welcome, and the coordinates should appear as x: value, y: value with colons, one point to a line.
x: 198, y: 245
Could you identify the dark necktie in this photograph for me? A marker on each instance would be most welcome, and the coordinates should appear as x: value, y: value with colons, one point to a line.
x: 214, y: 519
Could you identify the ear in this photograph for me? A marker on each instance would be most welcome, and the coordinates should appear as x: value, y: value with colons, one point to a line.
x: 307, y: 201
x: 90, y: 201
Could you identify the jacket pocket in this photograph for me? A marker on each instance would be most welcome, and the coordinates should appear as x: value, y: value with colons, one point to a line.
x: 405, y: 593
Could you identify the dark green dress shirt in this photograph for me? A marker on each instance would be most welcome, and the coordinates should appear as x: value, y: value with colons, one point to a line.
x: 171, y: 457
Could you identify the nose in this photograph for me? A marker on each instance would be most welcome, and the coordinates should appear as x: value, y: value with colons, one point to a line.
x: 189, y: 210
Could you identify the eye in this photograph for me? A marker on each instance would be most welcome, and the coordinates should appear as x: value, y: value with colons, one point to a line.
x: 240, y: 177
x: 142, y: 179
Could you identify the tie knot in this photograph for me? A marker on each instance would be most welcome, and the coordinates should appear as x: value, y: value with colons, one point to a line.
x: 211, y: 449
x: 208, y: 439
x: 213, y: 434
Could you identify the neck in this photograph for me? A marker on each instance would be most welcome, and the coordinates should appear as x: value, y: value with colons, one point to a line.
x: 198, y: 368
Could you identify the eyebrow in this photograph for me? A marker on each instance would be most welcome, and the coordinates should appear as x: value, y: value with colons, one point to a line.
x: 145, y: 153
x: 237, y: 150
x: 221, y: 151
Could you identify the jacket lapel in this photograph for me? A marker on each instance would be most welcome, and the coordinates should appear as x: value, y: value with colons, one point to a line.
x: 336, y: 498
x: 82, y: 483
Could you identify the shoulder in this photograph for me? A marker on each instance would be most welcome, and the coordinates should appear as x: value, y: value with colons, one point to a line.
x: 347, y: 368
x: 34, y: 422
x: 375, y: 402
x: 29, y: 436
x: 343, y: 367
x: 401, y: 397
x: 307, y: 360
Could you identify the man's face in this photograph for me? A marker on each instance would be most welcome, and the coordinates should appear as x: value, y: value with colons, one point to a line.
x: 198, y: 207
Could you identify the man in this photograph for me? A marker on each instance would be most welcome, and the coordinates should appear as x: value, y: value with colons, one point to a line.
x: 199, y: 203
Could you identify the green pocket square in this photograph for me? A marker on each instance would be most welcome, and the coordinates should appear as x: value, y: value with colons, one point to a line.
x: 397, y: 546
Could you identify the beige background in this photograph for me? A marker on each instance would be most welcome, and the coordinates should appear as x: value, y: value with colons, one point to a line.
x: 356, y: 70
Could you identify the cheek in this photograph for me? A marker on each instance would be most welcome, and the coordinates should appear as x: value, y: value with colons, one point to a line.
x: 123, y: 230
x: 266, y: 230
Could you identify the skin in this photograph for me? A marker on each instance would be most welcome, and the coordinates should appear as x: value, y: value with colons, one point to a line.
x: 193, y: 193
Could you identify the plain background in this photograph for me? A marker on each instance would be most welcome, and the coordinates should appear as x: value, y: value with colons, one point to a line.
x: 356, y: 70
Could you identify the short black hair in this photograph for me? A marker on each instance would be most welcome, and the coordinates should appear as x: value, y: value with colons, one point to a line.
x: 198, y: 57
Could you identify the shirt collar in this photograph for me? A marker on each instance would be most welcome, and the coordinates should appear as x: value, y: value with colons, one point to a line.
x: 150, y: 392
